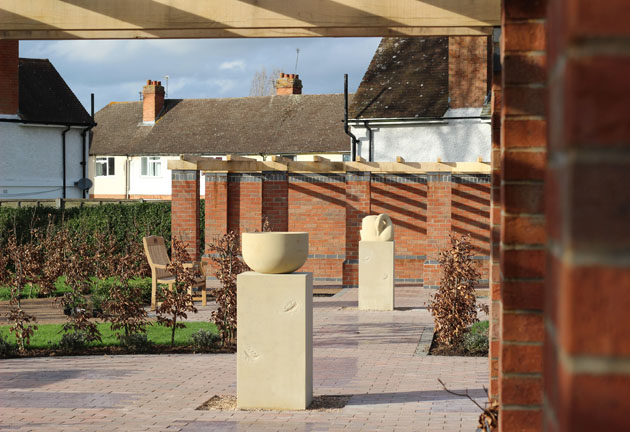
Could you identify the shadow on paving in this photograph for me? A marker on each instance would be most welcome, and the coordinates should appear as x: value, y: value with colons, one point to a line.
x: 353, y: 334
x: 414, y: 396
x: 34, y: 379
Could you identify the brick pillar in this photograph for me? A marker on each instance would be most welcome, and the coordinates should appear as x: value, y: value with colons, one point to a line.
x: 523, y: 238
x: 357, y: 207
x: 185, y: 210
x: 495, y: 239
x: 9, y: 89
x: 275, y: 203
x: 467, y: 71
x: 245, y: 203
x: 587, y: 306
x: 438, y: 225
x: 216, y: 204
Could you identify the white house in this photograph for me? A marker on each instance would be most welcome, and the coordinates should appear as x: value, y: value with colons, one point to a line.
x: 134, y: 140
x: 43, y: 130
x: 424, y: 99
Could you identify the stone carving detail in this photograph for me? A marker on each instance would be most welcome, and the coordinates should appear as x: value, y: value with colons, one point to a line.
x: 377, y: 228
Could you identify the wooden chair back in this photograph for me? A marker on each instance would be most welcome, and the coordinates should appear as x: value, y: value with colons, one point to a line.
x: 155, y: 249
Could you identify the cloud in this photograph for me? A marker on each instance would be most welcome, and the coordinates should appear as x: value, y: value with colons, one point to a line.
x: 231, y: 65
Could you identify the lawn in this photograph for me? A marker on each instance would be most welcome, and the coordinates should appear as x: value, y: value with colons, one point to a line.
x: 48, y: 336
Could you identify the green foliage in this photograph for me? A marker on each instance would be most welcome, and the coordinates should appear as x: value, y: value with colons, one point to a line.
x: 475, y: 340
x: 138, y: 342
x: 72, y: 342
x: 205, y: 340
x: 6, y: 349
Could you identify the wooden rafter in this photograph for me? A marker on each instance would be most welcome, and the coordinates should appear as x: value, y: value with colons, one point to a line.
x: 113, y: 19
x: 213, y: 165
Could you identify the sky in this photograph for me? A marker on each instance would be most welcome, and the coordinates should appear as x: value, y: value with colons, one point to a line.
x: 116, y: 70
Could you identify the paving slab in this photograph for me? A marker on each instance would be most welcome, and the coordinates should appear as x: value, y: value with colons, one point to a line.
x: 370, y: 356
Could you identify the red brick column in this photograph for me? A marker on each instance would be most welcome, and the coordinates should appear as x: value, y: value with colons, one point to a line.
x: 9, y: 90
x: 245, y: 203
x: 587, y: 307
x: 185, y: 210
x: 357, y: 207
x: 495, y: 239
x: 216, y: 205
x: 439, y: 198
x: 275, y: 199
x: 523, y: 238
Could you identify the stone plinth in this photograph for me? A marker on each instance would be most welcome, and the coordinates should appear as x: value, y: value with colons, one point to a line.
x: 376, y: 275
x: 275, y: 341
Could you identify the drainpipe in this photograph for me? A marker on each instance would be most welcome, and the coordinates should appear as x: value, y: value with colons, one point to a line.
x: 370, y: 140
x: 83, y: 134
x: 345, y: 118
x: 63, y: 158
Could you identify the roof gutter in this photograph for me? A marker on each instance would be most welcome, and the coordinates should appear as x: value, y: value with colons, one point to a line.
x: 416, y: 120
x: 46, y: 123
x: 346, y: 129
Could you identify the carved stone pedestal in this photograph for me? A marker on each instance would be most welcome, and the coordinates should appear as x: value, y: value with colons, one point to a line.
x: 275, y: 341
x: 376, y: 275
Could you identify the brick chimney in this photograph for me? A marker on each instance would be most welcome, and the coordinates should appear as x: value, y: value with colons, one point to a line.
x: 9, y: 73
x: 288, y: 84
x: 152, y: 101
x: 467, y: 71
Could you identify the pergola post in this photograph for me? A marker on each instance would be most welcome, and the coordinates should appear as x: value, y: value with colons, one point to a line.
x: 185, y: 210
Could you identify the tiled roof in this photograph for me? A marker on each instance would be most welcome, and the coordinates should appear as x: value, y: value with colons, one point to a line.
x: 407, y: 77
x: 249, y: 125
x: 45, y: 96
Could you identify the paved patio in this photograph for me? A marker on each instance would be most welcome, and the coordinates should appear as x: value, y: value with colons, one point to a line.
x: 370, y: 356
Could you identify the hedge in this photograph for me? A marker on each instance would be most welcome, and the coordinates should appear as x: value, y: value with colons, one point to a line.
x: 141, y: 218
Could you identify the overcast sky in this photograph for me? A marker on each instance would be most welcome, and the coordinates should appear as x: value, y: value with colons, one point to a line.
x: 200, y: 68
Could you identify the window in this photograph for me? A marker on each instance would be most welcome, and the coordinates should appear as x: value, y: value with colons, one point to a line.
x: 151, y: 166
x: 105, y: 166
x: 346, y: 158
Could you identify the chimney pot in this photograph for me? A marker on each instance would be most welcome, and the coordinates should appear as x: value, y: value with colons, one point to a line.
x: 288, y: 84
x: 159, y: 83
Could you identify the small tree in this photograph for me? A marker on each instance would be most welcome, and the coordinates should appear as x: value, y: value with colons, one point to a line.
x: 454, y: 306
x: 262, y: 82
x: 77, y: 276
x: 22, y: 256
x: 177, y: 301
x: 124, y: 308
x: 229, y: 265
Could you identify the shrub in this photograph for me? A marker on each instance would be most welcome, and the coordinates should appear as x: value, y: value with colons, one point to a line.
x: 205, y: 341
x: 229, y: 266
x: 72, y: 342
x: 475, y: 340
x: 454, y: 306
x: 138, y: 342
x: 6, y: 349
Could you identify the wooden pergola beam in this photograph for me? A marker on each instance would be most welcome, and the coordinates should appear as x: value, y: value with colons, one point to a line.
x: 123, y: 19
x: 213, y: 165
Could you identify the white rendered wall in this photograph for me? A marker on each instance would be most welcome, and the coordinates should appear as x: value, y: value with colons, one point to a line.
x: 31, y: 161
x: 109, y: 186
x: 453, y: 141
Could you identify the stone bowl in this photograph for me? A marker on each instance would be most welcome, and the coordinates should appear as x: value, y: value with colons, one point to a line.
x: 275, y: 252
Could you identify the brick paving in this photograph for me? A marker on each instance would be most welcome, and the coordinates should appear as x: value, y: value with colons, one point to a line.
x: 366, y: 355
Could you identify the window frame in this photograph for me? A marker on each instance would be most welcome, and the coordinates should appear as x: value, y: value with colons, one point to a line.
x: 148, y: 166
x: 110, y: 166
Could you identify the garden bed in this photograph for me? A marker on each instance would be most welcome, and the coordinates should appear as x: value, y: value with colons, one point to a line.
x: 474, y: 343
x: 46, y: 341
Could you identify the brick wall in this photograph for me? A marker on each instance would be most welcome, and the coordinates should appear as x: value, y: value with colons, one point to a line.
x: 330, y: 207
x: 587, y: 347
x: 522, y: 224
x: 9, y: 90
x: 185, y: 210
x: 467, y: 71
